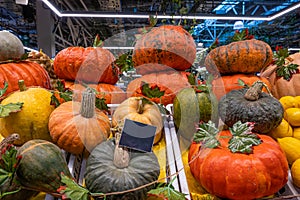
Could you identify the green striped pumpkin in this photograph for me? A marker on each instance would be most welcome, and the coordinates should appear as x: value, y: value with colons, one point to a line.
x: 192, y: 106
x: 41, y: 166
x: 102, y: 175
x: 247, y: 57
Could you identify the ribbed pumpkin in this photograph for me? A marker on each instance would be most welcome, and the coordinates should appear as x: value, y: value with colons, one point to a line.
x: 32, y: 73
x: 11, y: 47
x: 280, y: 86
x: 166, y: 46
x: 240, y: 171
x: 251, y: 105
x: 76, y: 126
x: 110, y: 168
x: 162, y: 87
x: 139, y: 109
x: 41, y: 166
x: 224, y: 84
x: 247, y: 57
x: 111, y: 93
x: 32, y: 121
x: 91, y: 65
x: 191, y: 106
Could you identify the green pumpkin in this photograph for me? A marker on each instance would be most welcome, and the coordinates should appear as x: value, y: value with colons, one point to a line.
x: 41, y: 166
x: 251, y: 105
x: 103, y: 175
x: 192, y: 106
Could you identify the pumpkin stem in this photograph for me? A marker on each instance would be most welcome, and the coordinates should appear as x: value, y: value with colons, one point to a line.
x: 140, y: 108
x: 87, y: 108
x: 22, y: 86
x: 121, y: 154
x: 253, y: 93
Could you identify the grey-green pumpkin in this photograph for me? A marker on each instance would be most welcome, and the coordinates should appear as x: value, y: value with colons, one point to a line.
x: 251, y: 105
x: 11, y: 47
x: 103, y: 175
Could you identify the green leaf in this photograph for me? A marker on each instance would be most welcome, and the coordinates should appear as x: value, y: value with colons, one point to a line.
x: 151, y: 92
x: 243, y: 139
x: 5, y: 110
x: 242, y: 83
x: 3, y: 90
x: 166, y: 191
x: 72, y: 190
x: 97, y: 41
x: 286, y: 71
x: 100, y: 104
x: 207, y: 134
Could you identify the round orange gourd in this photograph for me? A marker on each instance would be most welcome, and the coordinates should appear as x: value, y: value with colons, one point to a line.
x: 90, y: 65
x: 76, y: 126
x: 139, y: 109
x: 280, y: 86
x: 238, y: 170
x: 247, y: 57
x: 162, y: 87
x: 32, y: 73
x: 224, y: 84
x: 167, y: 46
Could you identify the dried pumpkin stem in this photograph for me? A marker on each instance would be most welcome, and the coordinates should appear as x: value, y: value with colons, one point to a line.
x: 87, y: 108
x: 253, y: 93
x: 140, y: 107
x: 121, y: 154
x: 22, y: 86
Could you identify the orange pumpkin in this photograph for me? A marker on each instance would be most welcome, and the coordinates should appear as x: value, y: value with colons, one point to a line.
x: 225, y: 84
x: 158, y: 87
x: 111, y: 93
x: 236, y: 170
x: 32, y: 73
x: 247, y: 57
x: 76, y: 126
x: 280, y: 86
x: 92, y: 65
x: 165, y: 47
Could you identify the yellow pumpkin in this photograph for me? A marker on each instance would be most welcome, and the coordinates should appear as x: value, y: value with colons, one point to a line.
x: 295, y: 173
x: 141, y: 110
x: 32, y: 121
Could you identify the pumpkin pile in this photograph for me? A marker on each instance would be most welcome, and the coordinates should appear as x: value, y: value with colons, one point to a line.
x: 162, y: 55
x: 238, y: 60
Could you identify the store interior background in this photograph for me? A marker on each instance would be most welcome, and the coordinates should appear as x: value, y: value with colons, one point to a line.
x: 40, y: 28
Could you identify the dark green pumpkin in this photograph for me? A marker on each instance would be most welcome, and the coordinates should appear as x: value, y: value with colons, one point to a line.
x: 41, y: 166
x: 103, y: 176
x: 192, y: 106
x: 264, y: 110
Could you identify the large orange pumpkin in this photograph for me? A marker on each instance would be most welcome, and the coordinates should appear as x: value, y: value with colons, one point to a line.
x: 167, y: 46
x: 158, y: 87
x: 236, y: 175
x: 247, y: 57
x: 280, y: 86
x: 32, y: 73
x: 224, y: 84
x: 92, y: 65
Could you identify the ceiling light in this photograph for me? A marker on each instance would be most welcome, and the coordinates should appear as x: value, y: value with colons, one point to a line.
x: 217, y: 17
x: 238, y: 25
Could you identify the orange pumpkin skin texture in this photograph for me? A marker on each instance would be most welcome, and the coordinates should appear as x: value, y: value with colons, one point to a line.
x: 247, y: 57
x: 91, y: 65
x: 171, y: 82
x: 280, y: 86
x: 225, y: 84
x: 236, y: 175
x: 167, y: 46
x: 73, y: 132
x: 112, y: 93
x: 32, y: 73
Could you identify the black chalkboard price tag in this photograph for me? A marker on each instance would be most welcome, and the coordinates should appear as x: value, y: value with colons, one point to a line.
x: 137, y: 135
